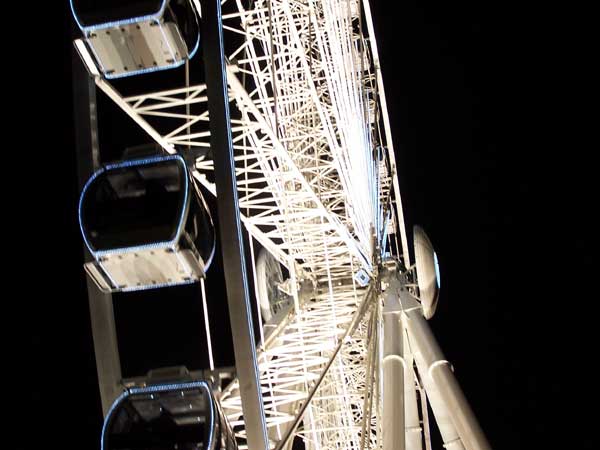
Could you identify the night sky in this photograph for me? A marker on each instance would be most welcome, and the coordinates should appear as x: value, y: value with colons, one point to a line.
x: 487, y: 165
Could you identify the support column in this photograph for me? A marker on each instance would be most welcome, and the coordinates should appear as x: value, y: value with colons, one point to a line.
x: 106, y: 350
x: 240, y: 312
x: 411, y: 418
x: 393, y: 382
x: 438, y: 370
x: 448, y: 432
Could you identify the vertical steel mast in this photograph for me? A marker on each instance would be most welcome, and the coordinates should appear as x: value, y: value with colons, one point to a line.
x: 238, y: 298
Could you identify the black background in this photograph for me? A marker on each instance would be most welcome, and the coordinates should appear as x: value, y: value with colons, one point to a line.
x: 487, y: 105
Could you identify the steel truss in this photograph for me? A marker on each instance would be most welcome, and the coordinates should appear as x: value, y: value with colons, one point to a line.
x: 318, y: 189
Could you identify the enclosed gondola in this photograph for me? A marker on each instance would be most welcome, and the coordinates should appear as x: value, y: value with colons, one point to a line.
x: 132, y: 37
x: 168, y: 416
x: 146, y: 225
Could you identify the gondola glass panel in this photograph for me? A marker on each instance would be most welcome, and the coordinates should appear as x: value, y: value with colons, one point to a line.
x: 182, y: 416
x: 94, y: 12
x: 130, y: 206
x: 146, y: 225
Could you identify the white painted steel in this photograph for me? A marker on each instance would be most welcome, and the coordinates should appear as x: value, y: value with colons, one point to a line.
x: 436, y: 372
x: 447, y: 429
x: 312, y: 190
x: 412, y: 423
x: 318, y: 188
x: 393, y: 433
x: 427, y: 271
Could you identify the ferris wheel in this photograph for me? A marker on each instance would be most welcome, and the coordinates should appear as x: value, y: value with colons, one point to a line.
x: 291, y: 101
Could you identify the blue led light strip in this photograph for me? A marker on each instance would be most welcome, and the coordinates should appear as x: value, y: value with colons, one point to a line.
x: 161, y: 388
x: 437, y: 269
x: 145, y: 70
x: 156, y: 16
x: 159, y: 285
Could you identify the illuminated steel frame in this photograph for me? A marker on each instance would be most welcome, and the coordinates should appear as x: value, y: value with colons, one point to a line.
x: 318, y: 188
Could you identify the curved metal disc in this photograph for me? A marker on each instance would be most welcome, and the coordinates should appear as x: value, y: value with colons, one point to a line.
x: 268, y: 277
x: 428, y: 277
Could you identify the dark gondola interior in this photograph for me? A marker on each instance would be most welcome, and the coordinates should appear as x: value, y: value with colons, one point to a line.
x: 134, y: 205
x: 181, y: 419
x: 95, y: 12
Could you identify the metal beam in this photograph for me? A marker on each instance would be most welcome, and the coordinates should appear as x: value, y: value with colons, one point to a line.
x: 388, y: 131
x: 393, y: 381
x: 240, y: 313
x: 455, y: 418
x: 102, y: 316
x: 450, y: 437
x: 414, y: 432
x: 359, y: 315
x: 437, y: 369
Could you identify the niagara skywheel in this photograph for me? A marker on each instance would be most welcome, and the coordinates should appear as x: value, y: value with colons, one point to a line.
x: 344, y: 358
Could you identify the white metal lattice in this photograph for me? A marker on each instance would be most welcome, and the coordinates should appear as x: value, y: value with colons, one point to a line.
x: 317, y: 188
